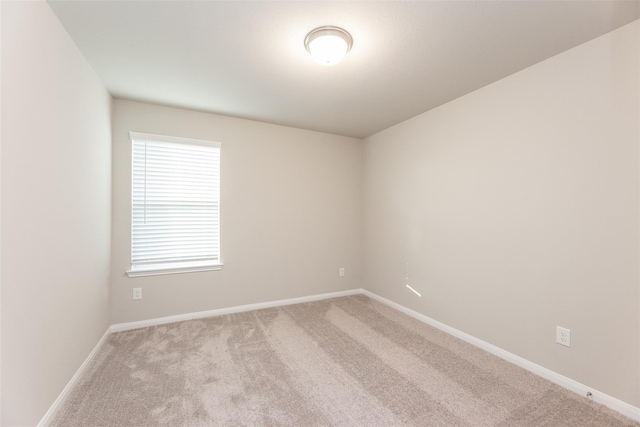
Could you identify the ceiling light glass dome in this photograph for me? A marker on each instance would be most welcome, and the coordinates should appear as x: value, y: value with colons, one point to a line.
x: 328, y: 45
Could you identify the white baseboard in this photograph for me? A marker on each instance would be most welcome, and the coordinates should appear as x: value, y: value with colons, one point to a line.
x: 220, y: 311
x: 48, y: 417
x: 609, y: 401
x: 579, y: 388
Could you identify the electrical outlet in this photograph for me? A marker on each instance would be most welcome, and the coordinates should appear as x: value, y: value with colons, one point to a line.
x: 563, y: 336
x: 137, y: 293
x: 341, y: 271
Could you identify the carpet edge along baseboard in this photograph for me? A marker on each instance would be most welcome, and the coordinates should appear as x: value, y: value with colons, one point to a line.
x: 624, y: 408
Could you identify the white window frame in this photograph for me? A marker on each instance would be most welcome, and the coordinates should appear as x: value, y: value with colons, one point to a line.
x: 149, y: 267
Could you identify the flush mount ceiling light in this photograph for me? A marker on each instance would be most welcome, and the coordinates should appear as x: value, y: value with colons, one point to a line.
x: 328, y: 45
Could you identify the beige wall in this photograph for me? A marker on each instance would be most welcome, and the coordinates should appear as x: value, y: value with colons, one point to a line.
x: 56, y: 180
x: 516, y: 208
x: 291, y: 214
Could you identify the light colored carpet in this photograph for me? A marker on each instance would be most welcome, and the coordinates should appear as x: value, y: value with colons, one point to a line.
x: 341, y: 362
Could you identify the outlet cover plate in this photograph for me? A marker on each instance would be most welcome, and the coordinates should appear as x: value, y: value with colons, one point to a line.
x: 137, y: 293
x: 563, y: 336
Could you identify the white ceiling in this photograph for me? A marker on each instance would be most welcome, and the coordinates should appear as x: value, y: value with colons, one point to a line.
x: 247, y: 59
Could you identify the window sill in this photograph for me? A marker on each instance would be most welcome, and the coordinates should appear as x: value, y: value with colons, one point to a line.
x: 157, y: 270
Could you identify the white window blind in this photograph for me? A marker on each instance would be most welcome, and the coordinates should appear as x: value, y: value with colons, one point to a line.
x: 175, y: 205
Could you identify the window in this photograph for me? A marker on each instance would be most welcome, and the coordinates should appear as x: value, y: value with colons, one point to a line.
x: 175, y: 205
